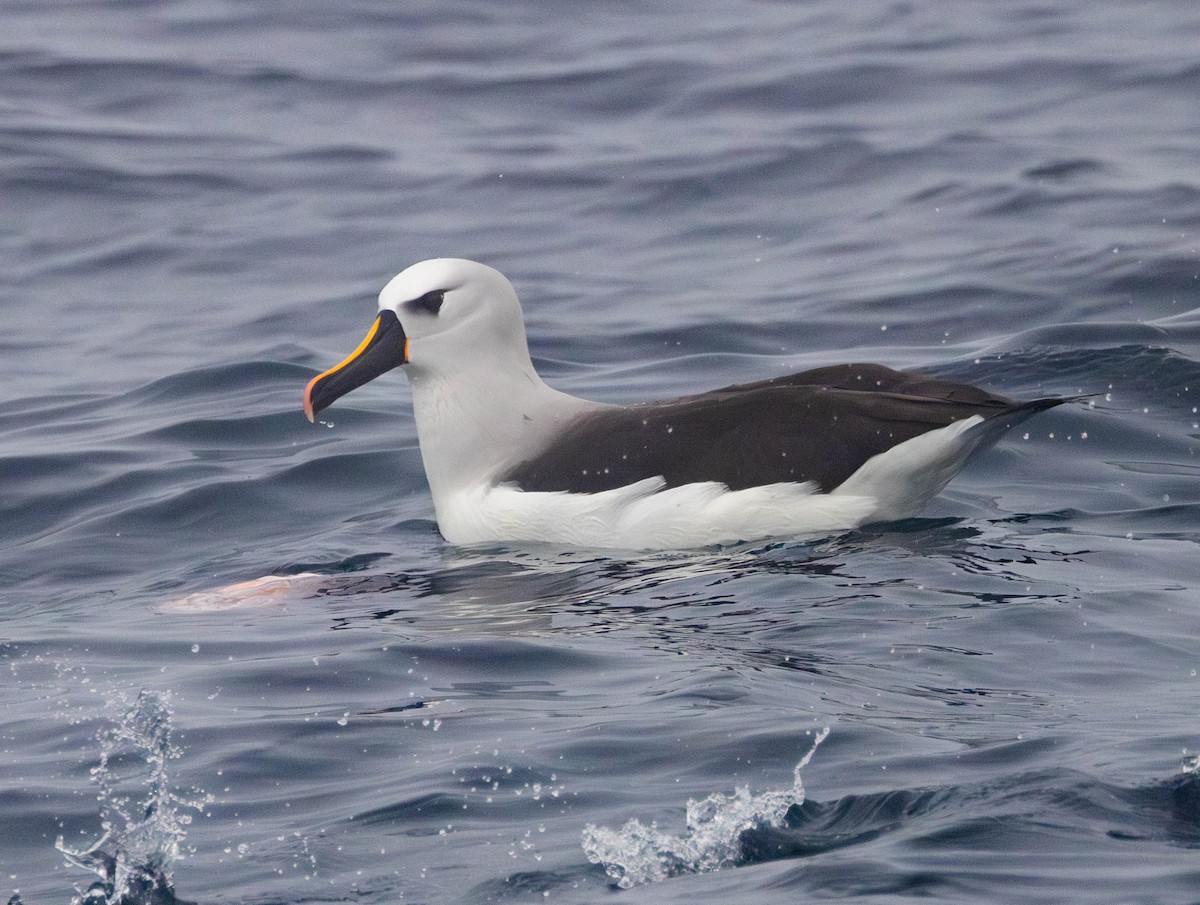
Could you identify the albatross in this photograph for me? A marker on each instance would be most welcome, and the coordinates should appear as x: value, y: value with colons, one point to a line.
x: 509, y: 458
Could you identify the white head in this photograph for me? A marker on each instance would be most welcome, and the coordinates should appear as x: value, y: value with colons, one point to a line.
x: 438, y: 318
x: 456, y: 313
x: 456, y: 327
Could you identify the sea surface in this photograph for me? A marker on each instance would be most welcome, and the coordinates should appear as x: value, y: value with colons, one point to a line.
x: 996, y: 702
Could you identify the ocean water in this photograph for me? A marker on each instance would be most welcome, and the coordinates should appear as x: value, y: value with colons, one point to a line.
x: 995, y: 702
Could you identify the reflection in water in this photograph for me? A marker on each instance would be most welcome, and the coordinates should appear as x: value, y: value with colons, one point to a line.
x: 510, y: 590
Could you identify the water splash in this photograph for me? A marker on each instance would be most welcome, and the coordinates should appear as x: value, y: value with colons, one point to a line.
x: 143, y: 819
x: 637, y: 853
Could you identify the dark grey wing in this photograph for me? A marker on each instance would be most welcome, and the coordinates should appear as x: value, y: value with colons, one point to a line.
x: 818, y: 426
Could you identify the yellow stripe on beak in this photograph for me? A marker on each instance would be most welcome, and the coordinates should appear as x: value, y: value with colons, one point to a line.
x: 384, y: 347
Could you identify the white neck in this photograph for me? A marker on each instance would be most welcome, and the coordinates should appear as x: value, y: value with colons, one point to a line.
x: 482, y: 418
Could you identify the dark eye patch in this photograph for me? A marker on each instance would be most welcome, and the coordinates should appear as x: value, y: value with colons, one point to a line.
x: 430, y: 302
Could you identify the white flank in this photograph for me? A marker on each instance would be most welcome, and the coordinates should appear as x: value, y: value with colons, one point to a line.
x: 649, y: 516
x: 910, y: 474
x: 645, y: 516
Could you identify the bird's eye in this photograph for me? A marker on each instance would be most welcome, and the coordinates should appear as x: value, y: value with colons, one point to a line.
x: 430, y: 302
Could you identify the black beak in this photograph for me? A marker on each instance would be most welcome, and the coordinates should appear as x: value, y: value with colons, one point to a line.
x: 385, y: 347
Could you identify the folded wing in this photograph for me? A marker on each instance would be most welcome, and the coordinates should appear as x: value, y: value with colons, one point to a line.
x: 817, y: 426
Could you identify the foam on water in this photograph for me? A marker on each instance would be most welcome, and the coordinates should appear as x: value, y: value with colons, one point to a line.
x: 637, y: 853
x: 144, y: 819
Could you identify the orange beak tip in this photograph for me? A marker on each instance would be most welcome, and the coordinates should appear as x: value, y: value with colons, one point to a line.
x: 308, y: 412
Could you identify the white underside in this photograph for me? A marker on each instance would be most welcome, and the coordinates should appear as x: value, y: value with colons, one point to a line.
x: 649, y: 516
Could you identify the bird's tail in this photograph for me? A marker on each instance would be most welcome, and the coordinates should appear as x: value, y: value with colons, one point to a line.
x: 905, y: 477
x: 986, y: 434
